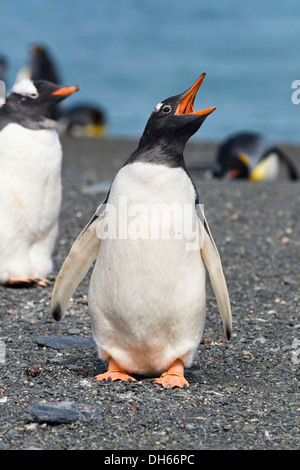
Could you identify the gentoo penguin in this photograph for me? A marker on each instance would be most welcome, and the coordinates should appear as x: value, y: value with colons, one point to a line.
x: 80, y: 120
x: 251, y: 156
x: 42, y: 65
x: 147, y: 290
x: 30, y: 181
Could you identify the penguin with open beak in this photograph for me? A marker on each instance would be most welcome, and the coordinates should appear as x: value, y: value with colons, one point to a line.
x: 150, y: 239
x: 30, y: 181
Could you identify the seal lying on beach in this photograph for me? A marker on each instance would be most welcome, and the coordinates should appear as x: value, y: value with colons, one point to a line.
x: 147, y: 290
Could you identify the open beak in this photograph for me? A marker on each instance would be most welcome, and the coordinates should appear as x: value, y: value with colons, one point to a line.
x: 65, y: 91
x: 186, y: 105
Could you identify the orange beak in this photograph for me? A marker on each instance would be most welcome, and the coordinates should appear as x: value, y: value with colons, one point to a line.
x: 65, y: 91
x: 186, y: 105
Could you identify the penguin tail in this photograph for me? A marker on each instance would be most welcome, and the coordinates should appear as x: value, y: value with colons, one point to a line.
x: 213, y: 263
x: 293, y: 173
x: 82, y: 254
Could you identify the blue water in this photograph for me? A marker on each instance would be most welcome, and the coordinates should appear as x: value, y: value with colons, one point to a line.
x: 127, y: 55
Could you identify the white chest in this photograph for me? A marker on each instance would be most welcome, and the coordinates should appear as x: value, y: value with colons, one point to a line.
x: 34, y: 149
x: 30, y: 170
x: 150, y: 183
x: 149, y: 202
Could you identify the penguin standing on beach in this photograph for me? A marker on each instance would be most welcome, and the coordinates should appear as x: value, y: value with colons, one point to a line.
x: 30, y: 181
x: 41, y: 66
x: 147, y: 290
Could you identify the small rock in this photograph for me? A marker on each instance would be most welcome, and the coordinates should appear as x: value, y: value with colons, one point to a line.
x: 289, y: 280
x: 64, y: 341
x: 33, y: 448
x: 32, y: 427
x: 64, y: 412
x: 99, y: 187
x: 2, y: 352
x: 73, y: 331
x: 259, y: 339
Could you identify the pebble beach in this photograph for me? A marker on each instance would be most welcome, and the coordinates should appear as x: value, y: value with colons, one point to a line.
x: 243, y: 394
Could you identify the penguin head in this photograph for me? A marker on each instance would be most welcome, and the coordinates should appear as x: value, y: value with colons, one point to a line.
x: 37, y: 97
x: 38, y: 50
x: 174, y: 120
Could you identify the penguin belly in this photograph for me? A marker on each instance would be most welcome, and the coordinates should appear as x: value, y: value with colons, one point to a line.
x: 147, y: 295
x: 30, y: 199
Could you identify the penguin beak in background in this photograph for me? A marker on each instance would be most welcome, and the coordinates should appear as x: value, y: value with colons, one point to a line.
x: 65, y: 91
x: 244, y: 170
x: 233, y: 174
x: 186, y: 105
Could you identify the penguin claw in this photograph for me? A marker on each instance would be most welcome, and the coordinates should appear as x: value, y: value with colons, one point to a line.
x: 115, y: 372
x: 170, y: 381
x: 174, y: 377
x: 111, y: 376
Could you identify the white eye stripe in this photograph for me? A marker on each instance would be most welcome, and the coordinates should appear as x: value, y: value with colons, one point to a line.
x: 25, y: 87
x: 157, y: 107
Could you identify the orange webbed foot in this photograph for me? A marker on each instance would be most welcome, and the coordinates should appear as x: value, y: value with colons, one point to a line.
x: 115, y: 372
x: 174, y: 377
x: 112, y: 376
x: 27, y: 282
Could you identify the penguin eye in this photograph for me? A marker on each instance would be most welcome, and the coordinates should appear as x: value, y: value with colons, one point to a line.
x: 167, y: 109
x: 33, y: 95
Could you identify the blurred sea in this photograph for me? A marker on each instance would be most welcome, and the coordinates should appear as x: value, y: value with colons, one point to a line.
x: 127, y: 55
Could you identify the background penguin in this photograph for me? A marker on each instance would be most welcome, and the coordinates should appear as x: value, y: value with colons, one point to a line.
x: 80, y: 120
x: 249, y: 155
x: 147, y: 295
x: 83, y: 120
x: 30, y: 181
x: 41, y: 65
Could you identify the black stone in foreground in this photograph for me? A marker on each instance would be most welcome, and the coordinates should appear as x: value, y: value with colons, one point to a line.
x: 64, y: 341
x: 64, y: 412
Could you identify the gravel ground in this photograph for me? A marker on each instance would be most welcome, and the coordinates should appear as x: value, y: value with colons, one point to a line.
x: 242, y: 395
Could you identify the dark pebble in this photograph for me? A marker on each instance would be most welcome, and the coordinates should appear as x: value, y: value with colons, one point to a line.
x: 62, y: 342
x: 65, y: 412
